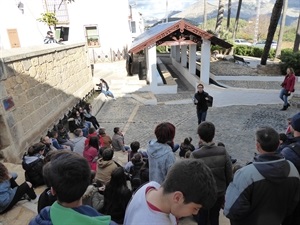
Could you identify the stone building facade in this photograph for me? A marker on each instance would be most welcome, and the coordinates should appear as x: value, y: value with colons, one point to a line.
x: 37, y: 87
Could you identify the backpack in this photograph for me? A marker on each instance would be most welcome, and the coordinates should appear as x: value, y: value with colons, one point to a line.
x: 295, y: 147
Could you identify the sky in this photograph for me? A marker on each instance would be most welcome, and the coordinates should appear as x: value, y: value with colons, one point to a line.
x: 158, y: 9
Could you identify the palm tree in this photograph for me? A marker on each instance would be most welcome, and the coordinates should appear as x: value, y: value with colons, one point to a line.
x: 228, y: 14
x: 219, y: 17
x: 297, y: 38
x: 282, y: 24
x: 204, y: 14
x: 237, y: 19
x: 276, y: 12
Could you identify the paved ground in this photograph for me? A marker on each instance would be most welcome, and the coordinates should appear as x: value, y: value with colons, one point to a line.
x: 237, y: 113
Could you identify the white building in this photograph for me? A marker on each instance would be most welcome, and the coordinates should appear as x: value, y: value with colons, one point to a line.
x: 104, y: 25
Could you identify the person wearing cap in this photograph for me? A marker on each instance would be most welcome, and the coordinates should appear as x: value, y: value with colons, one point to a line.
x: 292, y: 153
x: 33, y: 162
x: 266, y: 191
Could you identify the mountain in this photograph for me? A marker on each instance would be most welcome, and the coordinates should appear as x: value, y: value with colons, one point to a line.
x: 195, y: 11
x: 248, y: 9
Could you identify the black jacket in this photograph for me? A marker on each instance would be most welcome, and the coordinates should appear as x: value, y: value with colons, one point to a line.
x: 202, y: 102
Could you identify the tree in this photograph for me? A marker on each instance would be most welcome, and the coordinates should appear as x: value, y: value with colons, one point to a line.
x: 48, y: 18
x: 219, y: 17
x: 297, y: 38
x: 228, y: 14
x: 276, y: 12
x: 237, y: 19
x: 204, y: 14
x: 282, y: 25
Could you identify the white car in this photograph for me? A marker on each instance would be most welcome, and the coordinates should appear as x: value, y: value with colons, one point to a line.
x: 261, y: 44
x: 242, y: 42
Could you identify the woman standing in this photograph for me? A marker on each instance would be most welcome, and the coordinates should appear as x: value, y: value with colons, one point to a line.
x: 288, y: 86
x: 10, y: 191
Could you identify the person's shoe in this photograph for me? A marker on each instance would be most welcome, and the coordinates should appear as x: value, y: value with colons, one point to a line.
x: 284, y: 108
x: 288, y: 105
x: 233, y: 161
x: 25, y: 197
x: 31, y: 194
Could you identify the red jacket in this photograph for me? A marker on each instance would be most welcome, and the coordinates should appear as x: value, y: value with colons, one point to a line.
x: 289, y: 82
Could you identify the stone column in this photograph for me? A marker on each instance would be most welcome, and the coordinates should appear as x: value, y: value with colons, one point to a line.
x: 205, y: 61
x: 177, y: 56
x: 173, y: 51
x: 183, y: 56
x: 192, y: 59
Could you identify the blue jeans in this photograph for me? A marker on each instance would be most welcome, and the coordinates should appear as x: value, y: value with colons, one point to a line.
x: 283, y: 96
x: 176, y: 147
x: 201, y: 116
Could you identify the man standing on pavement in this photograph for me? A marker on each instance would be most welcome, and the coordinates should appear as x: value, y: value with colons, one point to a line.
x: 292, y: 153
x: 200, y: 100
x: 267, y: 191
x: 218, y: 160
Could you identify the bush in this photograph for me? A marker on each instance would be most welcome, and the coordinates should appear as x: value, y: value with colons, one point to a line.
x: 290, y: 59
x: 252, y: 51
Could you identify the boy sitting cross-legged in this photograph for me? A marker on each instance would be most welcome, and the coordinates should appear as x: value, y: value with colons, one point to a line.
x: 188, y: 187
x: 68, y: 174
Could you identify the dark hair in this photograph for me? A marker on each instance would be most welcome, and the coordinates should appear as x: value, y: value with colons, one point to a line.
x: 68, y: 174
x: 165, y: 132
x: 92, y: 130
x: 94, y: 142
x: 49, y: 32
x: 60, y: 127
x: 135, y: 146
x: 268, y: 138
x: 137, y: 157
x: 77, y: 132
x: 36, y: 148
x: 192, y: 173
x: 283, y: 137
x: 118, y: 179
x: 116, y: 129
x: 200, y: 85
x: 101, y: 131
x: 3, y: 173
x: 107, y: 154
x: 206, y: 131
x: 52, y: 133
x: 187, y: 141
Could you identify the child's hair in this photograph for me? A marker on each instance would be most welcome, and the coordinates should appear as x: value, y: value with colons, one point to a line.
x: 3, y: 173
x: 135, y: 146
x: 165, y: 132
x: 92, y: 130
x: 137, y: 157
x: 283, y: 137
x: 101, y: 131
x: 107, y: 154
x: 221, y: 144
x: 116, y: 129
x: 94, y: 142
x: 77, y: 132
x: 52, y: 133
x: 192, y: 173
x: 236, y: 168
x: 118, y: 179
x: 187, y: 141
x: 36, y: 148
x: 60, y: 127
x: 206, y: 131
x: 68, y: 174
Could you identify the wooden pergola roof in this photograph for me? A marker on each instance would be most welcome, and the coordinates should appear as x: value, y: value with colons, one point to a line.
x: 174, y: 33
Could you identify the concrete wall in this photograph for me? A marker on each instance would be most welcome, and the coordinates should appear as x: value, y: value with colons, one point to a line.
x: 44, y: 83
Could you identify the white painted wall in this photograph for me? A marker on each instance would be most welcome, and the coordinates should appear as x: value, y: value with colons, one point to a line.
x: 30, y: 31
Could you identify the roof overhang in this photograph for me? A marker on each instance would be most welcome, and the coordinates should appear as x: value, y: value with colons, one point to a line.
x: 174, y: 33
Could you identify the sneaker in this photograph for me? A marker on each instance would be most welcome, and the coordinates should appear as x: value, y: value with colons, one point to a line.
x: 25, y: 197
x: 31, y: 194
x: 288, y: 105
x: 284, y: 108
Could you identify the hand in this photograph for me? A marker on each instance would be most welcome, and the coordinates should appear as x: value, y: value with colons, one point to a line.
x: 206, y: 98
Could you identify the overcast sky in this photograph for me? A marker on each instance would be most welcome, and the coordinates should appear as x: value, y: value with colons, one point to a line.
x: 157, y: 8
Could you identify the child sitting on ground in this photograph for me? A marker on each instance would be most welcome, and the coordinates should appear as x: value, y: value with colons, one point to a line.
x: 33, y: 162
x: 186, y: 146
x: 69, y: 175
x: 165, y: 204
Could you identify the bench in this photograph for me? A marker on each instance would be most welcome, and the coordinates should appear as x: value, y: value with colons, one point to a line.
x: 240, y: 59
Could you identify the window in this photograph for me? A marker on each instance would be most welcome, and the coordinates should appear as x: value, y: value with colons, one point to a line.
x: 62, y: 32
x: 92, y: 36
x: 133, y: 27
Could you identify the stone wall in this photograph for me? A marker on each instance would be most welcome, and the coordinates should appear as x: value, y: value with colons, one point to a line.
x: 43, y: 83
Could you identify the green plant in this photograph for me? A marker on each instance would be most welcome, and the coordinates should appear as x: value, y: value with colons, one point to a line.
x: 290, y: 59
x: 48, y: 18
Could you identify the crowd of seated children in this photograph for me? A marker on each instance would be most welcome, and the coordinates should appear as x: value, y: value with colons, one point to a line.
x: 116, y: 196
x: 48, y: 145
x: 105, y: 139
x: 91, y: 151
x: 11, y: 192
x: 105, y: 166
x: 75, y: 122
x: 32, y: 163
